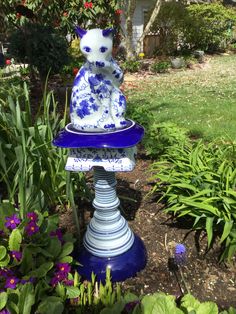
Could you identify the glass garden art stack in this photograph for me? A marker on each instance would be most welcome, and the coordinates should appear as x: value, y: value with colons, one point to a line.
x: 101, y: 139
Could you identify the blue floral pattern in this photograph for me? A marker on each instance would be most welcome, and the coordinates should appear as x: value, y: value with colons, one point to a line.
x: 97, y: 104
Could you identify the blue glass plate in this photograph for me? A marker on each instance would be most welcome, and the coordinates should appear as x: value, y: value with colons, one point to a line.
x: 121, y: 138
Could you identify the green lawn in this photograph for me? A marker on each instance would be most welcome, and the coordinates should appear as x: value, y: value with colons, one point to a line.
x: 201, y: 100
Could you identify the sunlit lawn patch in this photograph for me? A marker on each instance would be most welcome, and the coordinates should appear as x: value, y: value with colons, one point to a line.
x: 202, y: 100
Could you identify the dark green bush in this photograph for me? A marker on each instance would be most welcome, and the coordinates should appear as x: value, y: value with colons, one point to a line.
x: 198, y: 26
x: 208, y: 26
x: 140, y: 114
x: 164, y: 136
x: 160, y: 67
x: 131, y: 66
x: 40, y: 46
x: 168, y: 25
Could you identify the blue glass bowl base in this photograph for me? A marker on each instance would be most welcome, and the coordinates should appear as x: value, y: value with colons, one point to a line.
x: 122, y: 267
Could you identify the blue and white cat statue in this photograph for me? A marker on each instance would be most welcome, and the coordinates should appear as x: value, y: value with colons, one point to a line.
x: 97, y: 104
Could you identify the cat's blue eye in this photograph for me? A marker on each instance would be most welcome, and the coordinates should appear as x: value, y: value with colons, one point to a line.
x: 103, y: 49
x: 87, y: 49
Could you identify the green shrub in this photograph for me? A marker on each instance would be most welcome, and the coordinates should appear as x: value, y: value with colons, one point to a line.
x: 41, y: 47
x: 199, y: 180
x: 131, y: 66
x: 141, y: 115
x: 168, y: 25
x: 208, y: 26
x: 160, y: 67
x: 162, y: 137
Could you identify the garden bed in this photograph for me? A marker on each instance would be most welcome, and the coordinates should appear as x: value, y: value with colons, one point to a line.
x: 205, y: 278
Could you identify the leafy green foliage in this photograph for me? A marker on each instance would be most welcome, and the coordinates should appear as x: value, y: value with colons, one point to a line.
x: 163, y: 303
x: 196, y: 26
x: 208, y: 25
x: 131, y: 66
x: 169, y: 25
x: 39, y: 251
x: 31, y: 169
x: 199, y: 180
x: 162, y: 137
x: 160, y: 66
x: 141, y: 115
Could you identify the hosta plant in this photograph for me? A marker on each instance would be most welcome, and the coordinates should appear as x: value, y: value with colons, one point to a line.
x: 164, y: 303
x: 199, y: 180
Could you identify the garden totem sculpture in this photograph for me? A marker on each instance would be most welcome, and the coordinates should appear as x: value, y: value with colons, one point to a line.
x: 101, y: 139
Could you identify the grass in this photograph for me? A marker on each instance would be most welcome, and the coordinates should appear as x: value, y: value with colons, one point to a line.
x: 201, y: 100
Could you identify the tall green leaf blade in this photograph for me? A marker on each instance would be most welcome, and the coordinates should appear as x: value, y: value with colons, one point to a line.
x: 209, y: 229
x: 227, y: 228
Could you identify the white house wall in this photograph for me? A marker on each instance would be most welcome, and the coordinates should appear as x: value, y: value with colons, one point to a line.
x: 138, y: 19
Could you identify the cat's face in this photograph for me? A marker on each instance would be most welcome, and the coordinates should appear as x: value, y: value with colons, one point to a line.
x: 96, y: 44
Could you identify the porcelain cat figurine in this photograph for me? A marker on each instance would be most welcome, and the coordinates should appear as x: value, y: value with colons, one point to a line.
x: 97, y: 104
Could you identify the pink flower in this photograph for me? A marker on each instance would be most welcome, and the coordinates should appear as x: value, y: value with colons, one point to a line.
x: 119, y: 11
x: 12, y: 222
x: 8, y: 62
x: 88, y: 5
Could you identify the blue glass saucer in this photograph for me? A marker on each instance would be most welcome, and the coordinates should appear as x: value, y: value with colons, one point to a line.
x: 120, y: 138
x: 123, y: 266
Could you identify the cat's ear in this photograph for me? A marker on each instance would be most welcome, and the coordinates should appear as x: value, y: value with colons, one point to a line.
x: 108, y: 32
x: 80, y: 32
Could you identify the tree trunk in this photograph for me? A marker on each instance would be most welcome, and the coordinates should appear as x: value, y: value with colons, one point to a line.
x: 153, y: 16
x: 129, y: 29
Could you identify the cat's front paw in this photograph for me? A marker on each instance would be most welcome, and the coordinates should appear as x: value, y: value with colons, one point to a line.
x: 100, y: 64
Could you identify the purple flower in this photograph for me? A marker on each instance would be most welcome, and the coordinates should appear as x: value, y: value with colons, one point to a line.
x: 131, y: 305
x: 31, y: 228
x: 57, y: 233
x: 5, y: 272
x: 32, y: 216
x: 180, y: 254
x: 68, y: 282
x: 1, y: 235
x: 16, y: 255
x: 58, y: 277
x: 11, y: 282
x: 24, y: 281
x: 12, y: 222
x: 63, y: 267
x: 5, y: 311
